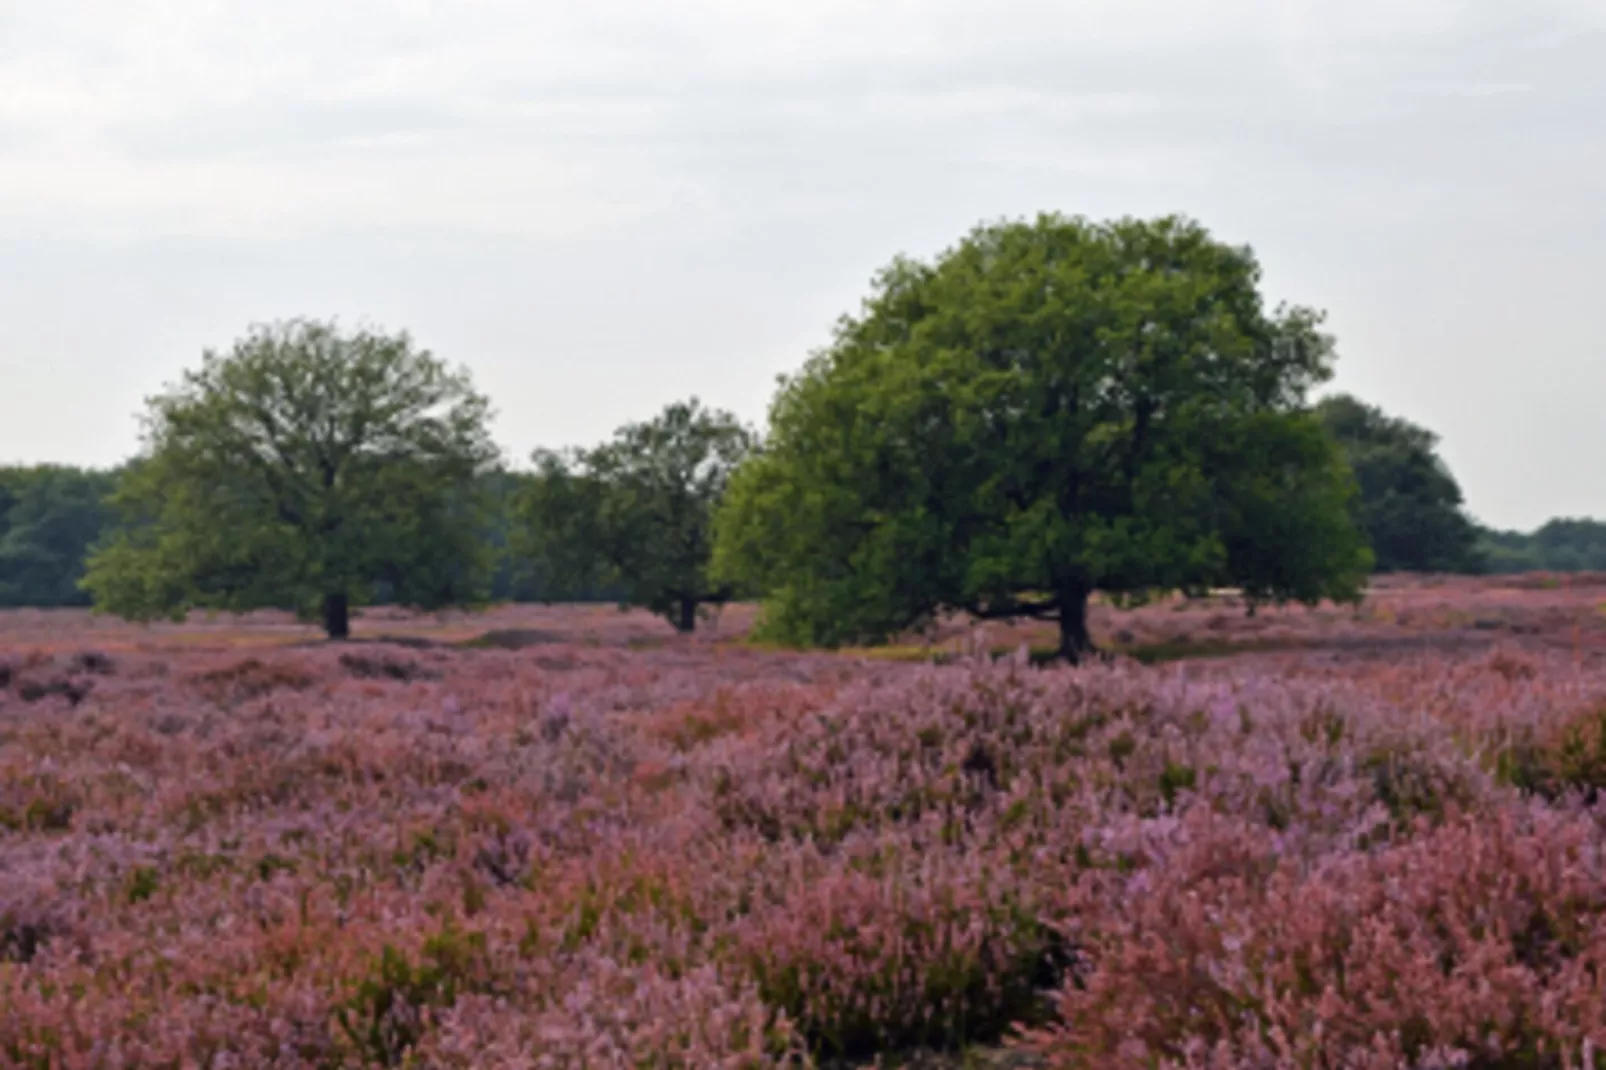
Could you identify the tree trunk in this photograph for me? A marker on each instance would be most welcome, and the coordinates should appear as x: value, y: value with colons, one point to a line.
x: 336, y: 616
x: 1075, y: 642
x: 686, y: 621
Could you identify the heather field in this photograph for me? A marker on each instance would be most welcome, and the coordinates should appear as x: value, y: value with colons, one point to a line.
x: 563, y: 837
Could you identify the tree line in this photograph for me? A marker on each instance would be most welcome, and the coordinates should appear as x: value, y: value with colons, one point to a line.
x: 1050, y: 408
x: 1560, y: 545
x: 52, y: 516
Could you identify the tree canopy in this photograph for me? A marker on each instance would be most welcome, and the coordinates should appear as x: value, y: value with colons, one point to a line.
x: 49, y: 517
x: 1048, y: 409
x: 299, y: 470
x: 635, y: 513
x: 1409, y: 505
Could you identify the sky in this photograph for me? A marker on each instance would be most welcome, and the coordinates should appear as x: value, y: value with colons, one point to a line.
x: 603, y: 207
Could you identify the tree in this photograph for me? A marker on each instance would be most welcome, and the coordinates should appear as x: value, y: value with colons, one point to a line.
x: 298, y: 471
x: 635, y: 513
x: 1410, y: 504
x: 511, y: 580
x: 49, y: 517
x: 1560, y: 545
x: 1049, y: 409
x: 1571, y: 544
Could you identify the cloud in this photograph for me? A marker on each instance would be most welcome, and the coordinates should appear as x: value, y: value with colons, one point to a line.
x: 609, y: 204
x: 204, y: 117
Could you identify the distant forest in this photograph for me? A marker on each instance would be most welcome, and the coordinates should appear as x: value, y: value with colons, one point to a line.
x: 1562, y: 545
x: 50, y: 515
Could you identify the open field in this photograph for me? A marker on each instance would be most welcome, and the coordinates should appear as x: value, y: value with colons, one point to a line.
x: 565, y: 837
x: 1400, y: 614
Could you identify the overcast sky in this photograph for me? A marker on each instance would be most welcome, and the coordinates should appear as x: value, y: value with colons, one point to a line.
x: 601, y: 207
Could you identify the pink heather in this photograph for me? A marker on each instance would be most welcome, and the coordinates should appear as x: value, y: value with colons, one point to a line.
x: 696, y: 857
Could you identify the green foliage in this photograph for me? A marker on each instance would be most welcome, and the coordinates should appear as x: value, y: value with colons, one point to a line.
x: 50, y: 809
x: 1410, y: 504
x: 1561, y: 545
x: 1050, y: 408
x: 520, y: 579
x: 300, y: 470
x: 1288, y: 503
x: 49, y: 517
x: 387, y: 1014
x: 1571, y: 759
x: 634, y: 513
x: 142, y: 884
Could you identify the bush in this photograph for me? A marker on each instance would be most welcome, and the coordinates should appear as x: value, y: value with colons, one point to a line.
x: 1568, y: 756
x: 74, y: 691
x: 249, y: 679
x: 1481, y: 943
x: 388, y: 1014
x: 92, y: 662
x: 385, y: 667
x: 865, y: 965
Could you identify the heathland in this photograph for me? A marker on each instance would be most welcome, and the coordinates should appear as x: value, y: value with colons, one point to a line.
x: 567, y: 837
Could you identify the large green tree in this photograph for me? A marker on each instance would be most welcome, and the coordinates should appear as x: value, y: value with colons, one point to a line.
x: 1048, y: 409
x: 299, y: 470
x: 49, y: 517
x: 635, y: 513
x: 1410, y: 506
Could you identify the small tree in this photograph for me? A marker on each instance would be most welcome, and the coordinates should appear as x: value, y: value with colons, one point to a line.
x: 1049, y: 409
x: 297, y: 471
x: 636, y: 512
x: 1409, y: 505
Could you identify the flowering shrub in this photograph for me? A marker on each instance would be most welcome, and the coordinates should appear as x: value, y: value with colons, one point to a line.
x: 1479, y: 943
x: 1564, y: 755
x: 584, y: 855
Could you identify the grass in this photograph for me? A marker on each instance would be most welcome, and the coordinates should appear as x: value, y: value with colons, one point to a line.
x: 1170, y: 650
x: 1157, y: 653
